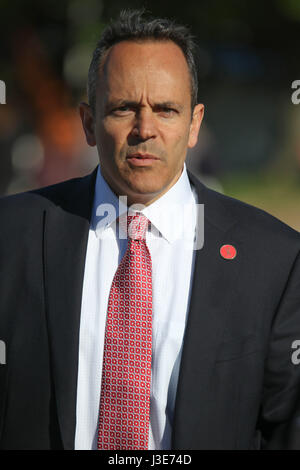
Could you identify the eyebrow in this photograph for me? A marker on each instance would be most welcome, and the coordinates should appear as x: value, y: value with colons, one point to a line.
x: 135, y: 104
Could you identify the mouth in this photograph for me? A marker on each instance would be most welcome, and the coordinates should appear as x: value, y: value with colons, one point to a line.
x: 142, y: 159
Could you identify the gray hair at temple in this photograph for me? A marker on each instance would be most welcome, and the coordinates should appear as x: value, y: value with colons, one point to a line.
x: 131, y: 25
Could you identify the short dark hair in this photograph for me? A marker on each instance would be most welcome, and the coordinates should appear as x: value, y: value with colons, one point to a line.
x: 131, y: 25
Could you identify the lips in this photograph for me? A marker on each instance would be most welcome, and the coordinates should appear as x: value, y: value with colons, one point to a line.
x: 142, y: 156
x: 139, y: 159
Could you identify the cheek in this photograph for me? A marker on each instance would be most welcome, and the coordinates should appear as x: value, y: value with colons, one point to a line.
x: 116, y: 134
x: 109, y: 140
x: 178, y: 141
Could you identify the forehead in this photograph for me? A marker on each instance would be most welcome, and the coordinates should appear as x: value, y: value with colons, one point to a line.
x: 154, y: 67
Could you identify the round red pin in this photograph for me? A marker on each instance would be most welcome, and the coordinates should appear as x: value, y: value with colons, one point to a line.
x: 228, y: 251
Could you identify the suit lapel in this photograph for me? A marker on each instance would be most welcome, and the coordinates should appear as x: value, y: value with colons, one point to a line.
x: 65, y: 243
x: 211, y: 297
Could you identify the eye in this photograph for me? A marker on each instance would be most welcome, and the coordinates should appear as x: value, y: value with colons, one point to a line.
x: 167, y: 112
x: 122, y: 110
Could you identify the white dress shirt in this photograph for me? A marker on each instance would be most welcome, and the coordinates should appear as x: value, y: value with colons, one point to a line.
x: 172, y: 257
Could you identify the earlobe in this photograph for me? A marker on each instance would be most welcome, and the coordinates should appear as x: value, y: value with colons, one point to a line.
x: 87, y: 119
x: 198, y: 114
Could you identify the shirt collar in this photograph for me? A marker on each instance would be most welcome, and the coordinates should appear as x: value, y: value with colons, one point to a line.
x: 167, y: 214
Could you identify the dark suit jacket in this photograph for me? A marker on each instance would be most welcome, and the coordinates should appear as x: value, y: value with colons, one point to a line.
x: 238, y: 387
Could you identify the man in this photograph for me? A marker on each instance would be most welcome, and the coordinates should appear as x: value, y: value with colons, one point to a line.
x: 225, y: 316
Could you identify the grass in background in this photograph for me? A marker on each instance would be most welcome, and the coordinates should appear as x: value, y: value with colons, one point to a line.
x: 277, y: 194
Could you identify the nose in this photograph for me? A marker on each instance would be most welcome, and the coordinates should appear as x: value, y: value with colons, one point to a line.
x: 144, y: 126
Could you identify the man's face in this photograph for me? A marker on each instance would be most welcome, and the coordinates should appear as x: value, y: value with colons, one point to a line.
x: 143, y: 123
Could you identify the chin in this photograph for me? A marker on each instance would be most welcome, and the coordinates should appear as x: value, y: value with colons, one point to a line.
x: 144, y: 190
x: 145, y: 184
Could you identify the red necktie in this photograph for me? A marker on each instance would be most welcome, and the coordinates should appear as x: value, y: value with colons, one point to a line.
x: 126, y: 374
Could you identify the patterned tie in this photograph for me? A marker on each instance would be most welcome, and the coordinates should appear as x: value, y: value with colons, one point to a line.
x: 126, y: 374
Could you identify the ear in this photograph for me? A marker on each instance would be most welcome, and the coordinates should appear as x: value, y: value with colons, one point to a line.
x: 197, y: 117
x: 87, y: 119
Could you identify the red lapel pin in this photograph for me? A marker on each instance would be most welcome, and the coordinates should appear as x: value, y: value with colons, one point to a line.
x: 228, y: 251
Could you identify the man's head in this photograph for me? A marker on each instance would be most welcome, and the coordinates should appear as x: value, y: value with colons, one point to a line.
x: 142, y: 90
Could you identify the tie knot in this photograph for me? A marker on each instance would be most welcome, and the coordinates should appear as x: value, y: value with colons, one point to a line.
x: 137, y: 226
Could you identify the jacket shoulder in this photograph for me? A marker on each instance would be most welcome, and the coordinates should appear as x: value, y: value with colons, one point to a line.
x: 40, y: 198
